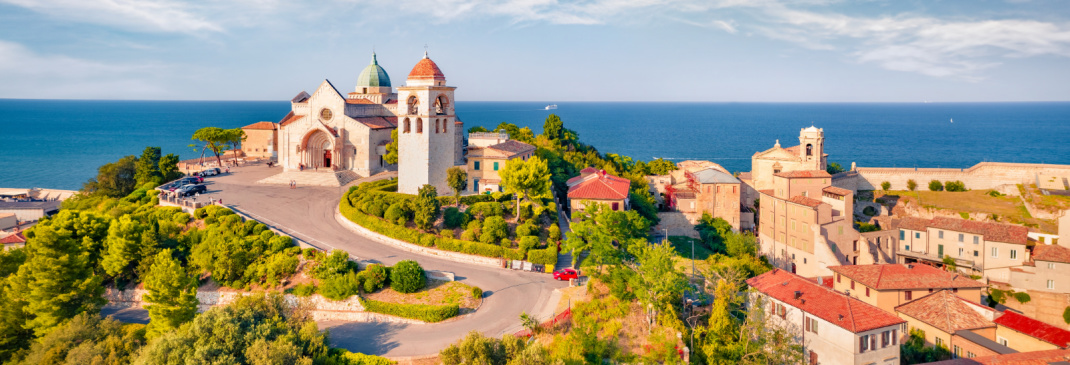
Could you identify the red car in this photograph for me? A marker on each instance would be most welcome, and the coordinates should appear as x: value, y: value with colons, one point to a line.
x: 566, y: 274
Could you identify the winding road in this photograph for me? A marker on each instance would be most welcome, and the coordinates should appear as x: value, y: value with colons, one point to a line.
x: 308, y: 213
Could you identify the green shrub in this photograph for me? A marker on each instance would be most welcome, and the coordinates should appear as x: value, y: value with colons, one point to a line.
x: 546, y: 256
x: 1066, y: 315
x: 340, y: 287
x: 423, y: 312
x: 180, y: 218
x: 304, y: 290
x: 310, y: 253
x: 469, y: 235
x: 407, y: 277
x: 337, y: 263
x: 996, y: 296
x: 199, y: 213
x: 475, y: 226
x: 374, y: 278
x: 936, y: 185
x: 867, y: 227
x: 994, y: 194
x: 1022, y: 297
x: 453, y: 217
x: 494, y: 229
x: 484, y: 210
x: 394, y: 212
x: 506, y: 243
x: 956, y: 185
x: 375, y: 207
x: 478, y: 294
x: 526, y: 211
x: 527, y: 229
x: 964, y: 215
x: 555, y: 232
x: 886, y: 186
x: 912, y: 185
x: 446, y: 232
x: 528, y: 242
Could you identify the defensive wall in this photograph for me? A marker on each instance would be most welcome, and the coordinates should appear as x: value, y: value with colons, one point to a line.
x: 984, y: 175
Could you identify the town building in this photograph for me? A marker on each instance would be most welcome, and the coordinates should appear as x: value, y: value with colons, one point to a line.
x: 806, y: 224
x: 981, y: 248
x: 1047, y: 270
x: 597, y: 187
x: 1027, y: 334
x: 347, y: 134
x: 487, y: 154
x: 714, y: 192
x: 1048, y: 357
x: 260, y: 140
x: 8, y: 221
x: 833, y: 328
x: 30, y: 211
x: 945, y: 319
x: 13, y: 240
x: 888, y: 286
x: 809, y: 155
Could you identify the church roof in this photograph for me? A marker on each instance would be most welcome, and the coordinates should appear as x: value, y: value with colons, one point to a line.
x: 261, y: 125
x: 290, y: 118
x: 426, y: 69
x: 378, y: 122
x: 301, y: 97
x: 373, y: 75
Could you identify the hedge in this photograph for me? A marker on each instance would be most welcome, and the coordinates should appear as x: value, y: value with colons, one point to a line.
x: 546, y: 256
x: 423, y: 312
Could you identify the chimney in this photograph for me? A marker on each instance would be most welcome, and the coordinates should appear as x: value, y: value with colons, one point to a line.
x: 798, y: 294
x: 909, y: 266
x: 602, y: 174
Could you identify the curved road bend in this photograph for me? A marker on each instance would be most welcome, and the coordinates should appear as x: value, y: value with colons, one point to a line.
x: 308, y: 213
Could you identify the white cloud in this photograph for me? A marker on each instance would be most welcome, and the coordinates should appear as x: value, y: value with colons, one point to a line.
x: 141, y: 15
x: 28, y: 74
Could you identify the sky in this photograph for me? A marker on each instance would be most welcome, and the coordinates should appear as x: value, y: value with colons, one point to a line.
x: 543, y: 50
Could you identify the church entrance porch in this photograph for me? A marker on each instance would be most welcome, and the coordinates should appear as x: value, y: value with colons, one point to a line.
x: 317, y: 152
x: 327, y: 158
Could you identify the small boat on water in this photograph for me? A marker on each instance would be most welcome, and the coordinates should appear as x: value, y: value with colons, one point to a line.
x: 551, y: 107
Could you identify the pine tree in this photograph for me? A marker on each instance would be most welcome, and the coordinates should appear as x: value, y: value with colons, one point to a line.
x: 56, y: 282
x: 427, y: 207
x: 172, y: 292
x: 123, y: 246
x: 553, y: 128
x: 526, y: 179
x: 148, y: 167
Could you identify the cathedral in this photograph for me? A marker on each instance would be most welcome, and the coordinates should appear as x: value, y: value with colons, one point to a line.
x: 327, y: 131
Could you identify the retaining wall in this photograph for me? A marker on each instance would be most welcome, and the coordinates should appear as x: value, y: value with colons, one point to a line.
x: 448, y: 255
x: 984, y: 175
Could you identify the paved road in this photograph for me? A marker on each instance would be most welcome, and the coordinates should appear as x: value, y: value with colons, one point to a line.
x: 308, y: 213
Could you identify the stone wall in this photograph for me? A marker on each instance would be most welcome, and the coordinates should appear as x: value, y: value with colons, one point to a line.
x: 321, y: 309
x: 984, y: 175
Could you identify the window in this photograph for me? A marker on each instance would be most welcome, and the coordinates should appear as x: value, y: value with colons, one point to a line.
x: 1051, y: 284
x: 995, y: 251
x: 885, y: 339
x: 495, y: 166
x: 813, y: 358
x: 961, y: 250
x: 863, y: 344
x: 867, y: 292
x: 970, y: 355
x: 1001, y: 340
x: 419, y: 125
x: 940, y: 234
x: 855, y: 245
x: 1014, y: 254
x: 616, y: 206
x: 939, y: 341
x: 1051, y: 265
x: 957, y: 352
x: 852, y: 284
x: 793, y: 225
x: 907, y: 247
x: 902, y: 234
x: 975, y: 253
x: 962, y: 237
x: 940, y: 250
x: 407, y: 126
x: 839, y: 278
x: 917, y: 235
x: 976, y: 239
x: 476, y: 165
x: 895, y: 337
x: 908, y: 295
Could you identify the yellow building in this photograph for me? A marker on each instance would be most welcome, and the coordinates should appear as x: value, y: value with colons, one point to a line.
x: 260, y: 139
x: 890, y: 285
x: 963, y: 327
x: 487, y: 154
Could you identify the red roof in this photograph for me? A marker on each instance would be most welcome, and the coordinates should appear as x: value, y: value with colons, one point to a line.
x: 905, y: 276
x: 378, y: 122
x: 13, y: 239
x: 588, y: 170
x: 1054, y: 253
x: 803, y: 174
x: 1045, y: 357
x: 998, y: 232
x: 836, y: 190
x: 359, y: 101
x: 426, y: 69
x: 768, y: 192
x: 1034, y: 328
x: 290, y: 118
x: 606, y: 187
x: 849, y: 313
x: 261, y: 125
x: 914, y: 224
x: 945, y: 311
x: 810, y: 202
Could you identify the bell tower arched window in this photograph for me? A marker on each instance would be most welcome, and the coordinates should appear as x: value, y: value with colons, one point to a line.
x: 809, y: 150
x: 436, y: 125
x: 407, y: 126
x: 441, y: 105
x: 419, y: 125
x: 414, y: 106
x: 445, y: 122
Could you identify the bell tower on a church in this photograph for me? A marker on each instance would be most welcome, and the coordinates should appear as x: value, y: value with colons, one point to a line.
x: 812, y: 148
x: 427, y: 143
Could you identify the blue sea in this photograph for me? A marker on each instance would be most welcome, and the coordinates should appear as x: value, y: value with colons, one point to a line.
x: 60, y: 143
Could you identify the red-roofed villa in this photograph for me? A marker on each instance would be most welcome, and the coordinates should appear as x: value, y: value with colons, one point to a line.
x: 597, y: 188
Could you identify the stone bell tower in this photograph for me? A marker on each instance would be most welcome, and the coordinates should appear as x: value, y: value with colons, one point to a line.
x: 427, y: 143
x: 812, y: 148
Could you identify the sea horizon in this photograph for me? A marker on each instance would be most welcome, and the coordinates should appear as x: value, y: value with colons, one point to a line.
x: 70, y: 138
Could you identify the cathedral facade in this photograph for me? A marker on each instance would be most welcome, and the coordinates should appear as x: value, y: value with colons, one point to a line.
x: 328, y: 131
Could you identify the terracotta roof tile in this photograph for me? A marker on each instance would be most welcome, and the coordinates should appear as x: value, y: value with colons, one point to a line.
x: 900, y: 276
x: 512, y: 147
x: 606, y: 187
x: 945, y: 311
x: 848, y: 313
x: 1045, y: 357
x: 1034, y: 328
x: 290, y: 118
x: 836, y: 190
x: 998, y: 232
x: 803, y: 174
x: 766, y: 191
x: 378, y: 122
x: 588, y: 170
x: 262, y: 125
x: 1054, y: 253
x: 359, y: 101
x: 13, y: 239
x: 914, y: 224
x: 810, y: 202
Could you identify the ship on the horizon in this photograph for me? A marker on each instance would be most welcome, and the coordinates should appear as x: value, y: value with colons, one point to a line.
x: 551, y: 107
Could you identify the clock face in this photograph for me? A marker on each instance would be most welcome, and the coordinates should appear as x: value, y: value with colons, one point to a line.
x: 326, y: 114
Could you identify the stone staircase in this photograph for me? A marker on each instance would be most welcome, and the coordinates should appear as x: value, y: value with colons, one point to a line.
x: 312, y: 178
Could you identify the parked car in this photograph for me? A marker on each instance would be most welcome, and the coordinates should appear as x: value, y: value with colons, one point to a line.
x: 176, y: 185
x: 566, y: 274
x: 191, y: 189
x: 191, y: 180
x: 210, y: 172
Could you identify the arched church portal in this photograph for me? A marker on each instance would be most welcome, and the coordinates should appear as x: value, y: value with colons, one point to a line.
x: 317, y: 151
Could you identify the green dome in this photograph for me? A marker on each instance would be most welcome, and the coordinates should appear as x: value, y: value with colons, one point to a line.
x: 373, y: 76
